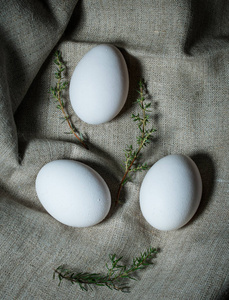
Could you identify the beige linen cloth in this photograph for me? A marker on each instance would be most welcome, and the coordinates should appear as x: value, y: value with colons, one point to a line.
x: 181, y: 49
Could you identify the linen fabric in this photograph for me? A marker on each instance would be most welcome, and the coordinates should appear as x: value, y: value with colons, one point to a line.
x: 181, y: 49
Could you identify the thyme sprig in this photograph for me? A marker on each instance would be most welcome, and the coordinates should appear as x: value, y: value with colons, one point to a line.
x: 57, y: 90
x: 117, y: 274
x: 143, y: 140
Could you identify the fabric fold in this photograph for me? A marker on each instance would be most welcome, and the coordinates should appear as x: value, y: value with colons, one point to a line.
x: 28, y: 32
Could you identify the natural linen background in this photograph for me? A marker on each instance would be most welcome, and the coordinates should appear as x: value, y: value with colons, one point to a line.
x: 181, y: 48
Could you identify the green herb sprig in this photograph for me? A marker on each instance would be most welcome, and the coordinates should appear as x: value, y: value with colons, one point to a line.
x: 143, y: 140
x: 117, y: 274
x: 57, y: 90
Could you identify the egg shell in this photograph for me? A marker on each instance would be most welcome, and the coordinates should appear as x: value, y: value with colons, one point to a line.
x: 73, y: 193
x: 171, y: 192
x: 99, y: 85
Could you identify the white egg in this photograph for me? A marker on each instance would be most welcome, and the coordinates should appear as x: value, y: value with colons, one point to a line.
x: 73, y: 193
x: 170, y: 192
x: 99, y: 85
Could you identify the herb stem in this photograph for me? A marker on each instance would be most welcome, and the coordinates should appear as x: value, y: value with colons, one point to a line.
x: 56, y: 91
x: 109, y: 280
x: 116, y: 276
x: 125, y: 175
x: 142, y: 140
x: 67, y: 118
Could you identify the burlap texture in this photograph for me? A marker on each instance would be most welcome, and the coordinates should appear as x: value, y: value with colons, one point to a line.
x: 181, y: 49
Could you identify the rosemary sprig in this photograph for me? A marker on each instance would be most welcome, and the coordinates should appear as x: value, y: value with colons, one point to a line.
x: 143, y: 139
x: 116, y: 276
x: 56, y: 91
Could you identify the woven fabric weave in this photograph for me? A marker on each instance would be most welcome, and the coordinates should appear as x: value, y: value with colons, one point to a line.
x: 181, y: 49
